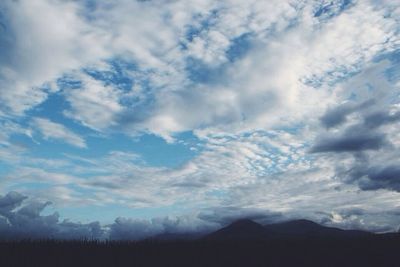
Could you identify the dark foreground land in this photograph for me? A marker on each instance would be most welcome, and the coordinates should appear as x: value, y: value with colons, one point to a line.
x: 243, y: 243
x: 366, y: 251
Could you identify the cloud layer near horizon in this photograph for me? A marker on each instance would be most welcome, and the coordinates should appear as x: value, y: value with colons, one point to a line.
x: 19, y: 220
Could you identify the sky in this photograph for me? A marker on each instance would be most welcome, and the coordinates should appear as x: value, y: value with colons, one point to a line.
x: 124, y: 118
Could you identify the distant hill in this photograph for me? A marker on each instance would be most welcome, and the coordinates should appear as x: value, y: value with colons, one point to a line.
x: 250, y: 230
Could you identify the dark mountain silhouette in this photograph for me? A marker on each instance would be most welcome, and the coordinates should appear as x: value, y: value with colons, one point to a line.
x: 241, y: 229
x: 247, y: 229
x: 305, y: 228
x: 242, y: 243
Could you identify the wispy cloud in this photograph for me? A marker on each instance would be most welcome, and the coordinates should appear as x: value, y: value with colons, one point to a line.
x: 56, y: 131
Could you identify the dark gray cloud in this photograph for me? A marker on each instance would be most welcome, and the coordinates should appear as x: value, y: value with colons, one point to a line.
x: 338, y: 115
x: 375, y: 165
x: 373, y: 177
x: 380, y: 118
x: 10, y: 201
x: 350, y: 142
x: 19, y: 220
x: 362, y: 135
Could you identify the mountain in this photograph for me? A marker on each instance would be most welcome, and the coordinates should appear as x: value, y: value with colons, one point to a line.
x: 305, y: 228
x: 247, y: 229
x: 242, y: 229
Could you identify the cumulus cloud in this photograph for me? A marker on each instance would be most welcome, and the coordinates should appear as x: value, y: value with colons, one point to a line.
x: 268, y: 86
x: 10, y: 202
x: 38, y: 49
x: 18, y: 220
x: 261, y: 87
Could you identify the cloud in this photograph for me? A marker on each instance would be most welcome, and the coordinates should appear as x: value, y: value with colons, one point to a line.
x: 93, y: 104
x: 263, y: 89
x: 381, y: 118
x: 367, y: 131
x: 136, y: 229
x: 129, y: 229
x: 338, y: 115
x: 352, y: 142
x: 268, y: 86
x: 373, y: 176
x: 10, y: 201
x: 21, y: 221
x: 56, y: 131
x: 36, y: 50
x: 356, y: 218
x: 382, y: 177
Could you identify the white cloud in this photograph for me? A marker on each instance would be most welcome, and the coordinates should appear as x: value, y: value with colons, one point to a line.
x: 94, y: 105
x: 290, y: 50
x: 56, y: 131
x: 287, y: 75
x: 42, y: 40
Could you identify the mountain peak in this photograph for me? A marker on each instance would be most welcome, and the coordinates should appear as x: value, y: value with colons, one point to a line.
x: 244, y: 223
x: 240, y: 229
